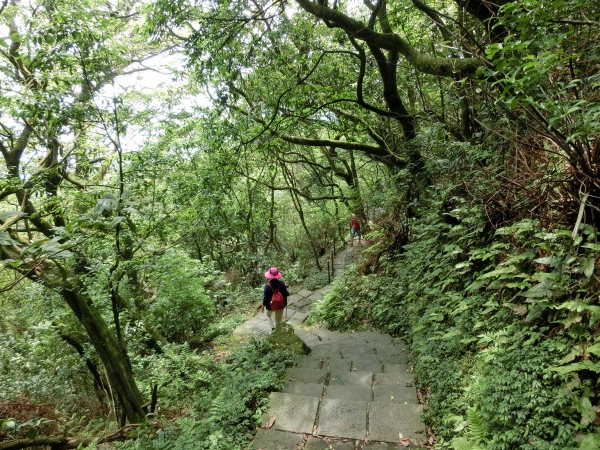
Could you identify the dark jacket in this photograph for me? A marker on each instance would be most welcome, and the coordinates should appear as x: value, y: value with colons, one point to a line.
x: 268, y: 292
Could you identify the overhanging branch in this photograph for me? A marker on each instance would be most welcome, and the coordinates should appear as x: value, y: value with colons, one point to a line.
x: 446, y: 67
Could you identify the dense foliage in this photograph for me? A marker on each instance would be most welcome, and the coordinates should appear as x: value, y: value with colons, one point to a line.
x: 159, y: 156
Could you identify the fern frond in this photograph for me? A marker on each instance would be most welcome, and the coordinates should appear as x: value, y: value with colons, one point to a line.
x: 477, y: 426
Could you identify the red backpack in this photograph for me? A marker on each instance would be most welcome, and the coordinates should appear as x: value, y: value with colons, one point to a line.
x: 277, y: 300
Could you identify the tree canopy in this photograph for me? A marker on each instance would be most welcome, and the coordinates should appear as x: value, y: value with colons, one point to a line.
x: 159, y: 156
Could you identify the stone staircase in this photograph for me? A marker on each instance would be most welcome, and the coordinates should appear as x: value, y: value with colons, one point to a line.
x: 353, y: 391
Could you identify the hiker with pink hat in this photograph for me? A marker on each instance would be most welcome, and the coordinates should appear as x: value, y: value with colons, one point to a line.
x: 275, y: 296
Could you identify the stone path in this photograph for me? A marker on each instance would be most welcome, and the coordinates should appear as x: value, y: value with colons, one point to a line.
x: 299, y: 304
x: 353, y: 391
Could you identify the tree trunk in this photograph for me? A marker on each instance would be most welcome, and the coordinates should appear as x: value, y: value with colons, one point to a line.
x: 113, y: 357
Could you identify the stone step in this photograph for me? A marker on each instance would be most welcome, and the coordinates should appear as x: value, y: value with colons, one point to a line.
x: 337, y: 364
x: 276, y: 440
x: 395, y: 394
x: 352, y: 379
x: 306, y: 375
x: 394, y: 378
x: 396, y: 368
x: 293, y: 413
x: 367, y: 363
x: 305, y: 293
x: 360, y: 394
x: 294, y: 298
x: 341, y: 418
x: 318, y: 443
x: 387, y: 421
x: 304, y: 389
x: 308, y: 362
x: 326, y: 350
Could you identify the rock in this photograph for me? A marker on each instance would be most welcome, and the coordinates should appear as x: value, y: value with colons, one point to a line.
x: 285, y: 338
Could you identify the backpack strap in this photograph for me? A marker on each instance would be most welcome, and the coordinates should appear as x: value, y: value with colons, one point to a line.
x: 269, y: 284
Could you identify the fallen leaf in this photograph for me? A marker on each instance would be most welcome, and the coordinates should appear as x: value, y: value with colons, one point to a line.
x: 400, y: 435
x: 270, y: 422
x: 391, y: 397
x: 405, y: 442
x: 305, y: 437
x: 367, y: 440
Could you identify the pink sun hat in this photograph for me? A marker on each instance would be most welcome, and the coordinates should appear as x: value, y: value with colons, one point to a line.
x: 273, y: 274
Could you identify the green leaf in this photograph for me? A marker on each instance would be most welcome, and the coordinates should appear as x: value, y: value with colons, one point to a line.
x: 32, y: 433
x: 7, y: 214
x: 588, y: 266
x: 594, y: 349
x: 590, y: 441
x: 5, y: 239
x: 582, y: 365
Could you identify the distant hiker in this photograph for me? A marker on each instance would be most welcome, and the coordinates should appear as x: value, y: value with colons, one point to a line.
x: 270, y: 300
x: 354, y: 229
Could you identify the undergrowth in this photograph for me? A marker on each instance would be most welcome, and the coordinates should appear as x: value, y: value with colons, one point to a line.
x: 229, y: 399
x: 503, y: 327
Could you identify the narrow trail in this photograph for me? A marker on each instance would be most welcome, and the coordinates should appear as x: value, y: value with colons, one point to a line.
x: 353, y: 391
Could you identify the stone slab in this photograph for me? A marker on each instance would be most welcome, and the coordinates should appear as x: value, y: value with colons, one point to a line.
x: 396, y: 368
x: 292, y: 412
x: 357, y: 350
x: 336, y: 364
x: 308, y: 362
x: 377, y: 446
x: 300, y: 304
x: 367, y: 363
x: 306, y: 375
x: 352, y: 379
x: 325, y: 288
x: 305, y: 293
x: 326, y: 351
x: 314, y: 443
x: 316, y: 296
x: 305, y: 389
x: 341, y: 418
x: 294, y: 298
x: 256, y: 325
x: 387, y: 420
x: 276, y: 440
x: 361, y: 394
x: 394, y: 394
x: 343, y: 444
x: 394, y: 379
x: 297, y: 317
x: 396, y: 360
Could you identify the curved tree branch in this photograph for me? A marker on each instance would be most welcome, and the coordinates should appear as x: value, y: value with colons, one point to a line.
x: 446, y: 67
